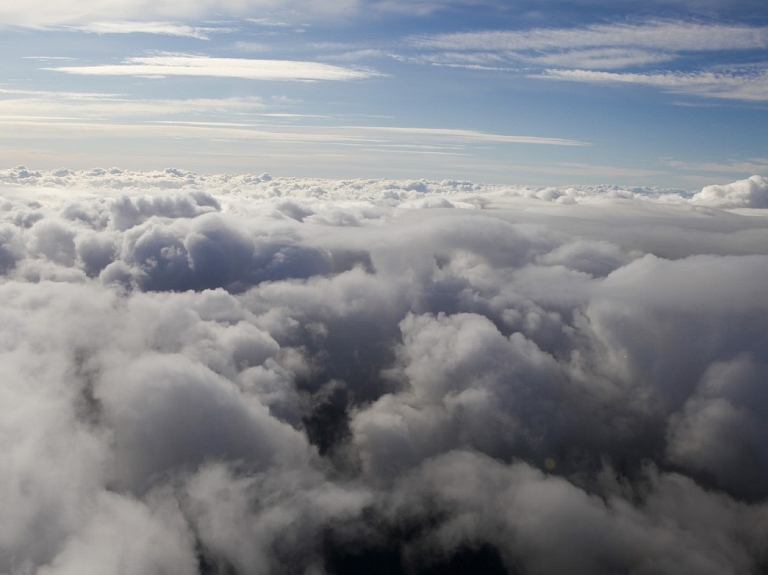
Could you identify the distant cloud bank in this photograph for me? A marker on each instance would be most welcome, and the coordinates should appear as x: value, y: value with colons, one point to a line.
x: 252, y: 374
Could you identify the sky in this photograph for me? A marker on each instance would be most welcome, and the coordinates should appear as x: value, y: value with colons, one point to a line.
x: 671, y: 94
x: 374, y: 286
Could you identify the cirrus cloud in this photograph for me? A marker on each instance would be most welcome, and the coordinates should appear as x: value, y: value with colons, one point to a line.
x: 251, y: 69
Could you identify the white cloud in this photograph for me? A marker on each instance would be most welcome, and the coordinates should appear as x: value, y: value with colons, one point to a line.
x: 252, y: 69
x: 111, y: 15
x: 657, y: 35
x: 73, y: 105
x: 41, y: 114
x: 599, y: 58
x: 574, y: 168
x: 133, y: 27
x: 465, y: 135
x: 271, y: 375
x: 85, y: 96
x: 39, y: 14
x: 749, y: 193
x: 747, y: 166
x: 590, y: 54
x: 421, y: 7
x: 750, y: 85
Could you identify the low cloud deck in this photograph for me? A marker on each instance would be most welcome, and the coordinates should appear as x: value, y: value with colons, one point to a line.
x: 247, y: 374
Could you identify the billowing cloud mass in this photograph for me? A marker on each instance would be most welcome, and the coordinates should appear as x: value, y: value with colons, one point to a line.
x: 257, y: 375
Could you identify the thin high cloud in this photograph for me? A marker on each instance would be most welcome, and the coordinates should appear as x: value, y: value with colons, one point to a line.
x: 246, y: 374
x: 42, y: 104
x: 656, y: 35
x: 39, y: 14
x: 646, y: 53
x: 749, y: 85
x: 139, y: 27
x: 468, y: 135
x: 73, y: 111
x: 108, y: 14
x: 89, y: 113
x: 751, y: 165
x: 251, y: 69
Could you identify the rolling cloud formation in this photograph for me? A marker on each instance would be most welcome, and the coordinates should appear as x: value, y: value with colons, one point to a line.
x: 256, y: 375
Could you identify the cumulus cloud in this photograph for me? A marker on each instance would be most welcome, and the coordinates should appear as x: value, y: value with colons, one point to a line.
x: 750, y: 193
x: 247, y: 374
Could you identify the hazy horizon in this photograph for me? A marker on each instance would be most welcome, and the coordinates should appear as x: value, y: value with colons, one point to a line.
x: 665, y: 93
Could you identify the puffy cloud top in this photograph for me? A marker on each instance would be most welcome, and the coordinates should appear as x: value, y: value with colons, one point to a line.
x: 248, y: 374
x: 750, y: 193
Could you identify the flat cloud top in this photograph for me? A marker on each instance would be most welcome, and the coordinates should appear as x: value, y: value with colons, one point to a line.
x: 749, y: 193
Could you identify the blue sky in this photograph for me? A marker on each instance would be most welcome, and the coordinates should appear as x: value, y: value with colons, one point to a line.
x: 673, y: 94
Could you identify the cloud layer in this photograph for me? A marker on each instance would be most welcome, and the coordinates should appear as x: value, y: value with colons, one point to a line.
x: 247, y: 374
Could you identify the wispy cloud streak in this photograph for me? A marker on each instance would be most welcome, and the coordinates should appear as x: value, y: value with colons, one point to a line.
x: 668, y: 36
x: 654, y: 53
x: 747, y: 85
x: 251, y: 69
x: 138, y: 27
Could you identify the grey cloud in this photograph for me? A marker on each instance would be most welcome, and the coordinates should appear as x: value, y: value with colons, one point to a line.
x: 53, y: 240
x: 210, y: 252
x: 170, y: 413
x: 96, y: 251
x: 544, y: 524
x: 468, y: 386
x: 239, y: 374
x: 598, y: 258
x: 270, y: 523
x: 127, y: 212
x: 11, y: 247
x: 126, y: 536
x: 722, y: 428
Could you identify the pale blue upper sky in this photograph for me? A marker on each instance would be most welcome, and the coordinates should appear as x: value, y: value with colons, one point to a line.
x: 545, y: 92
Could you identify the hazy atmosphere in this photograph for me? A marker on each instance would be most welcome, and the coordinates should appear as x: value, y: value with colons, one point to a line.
x: 668, y: 93
x: 383, y: 287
